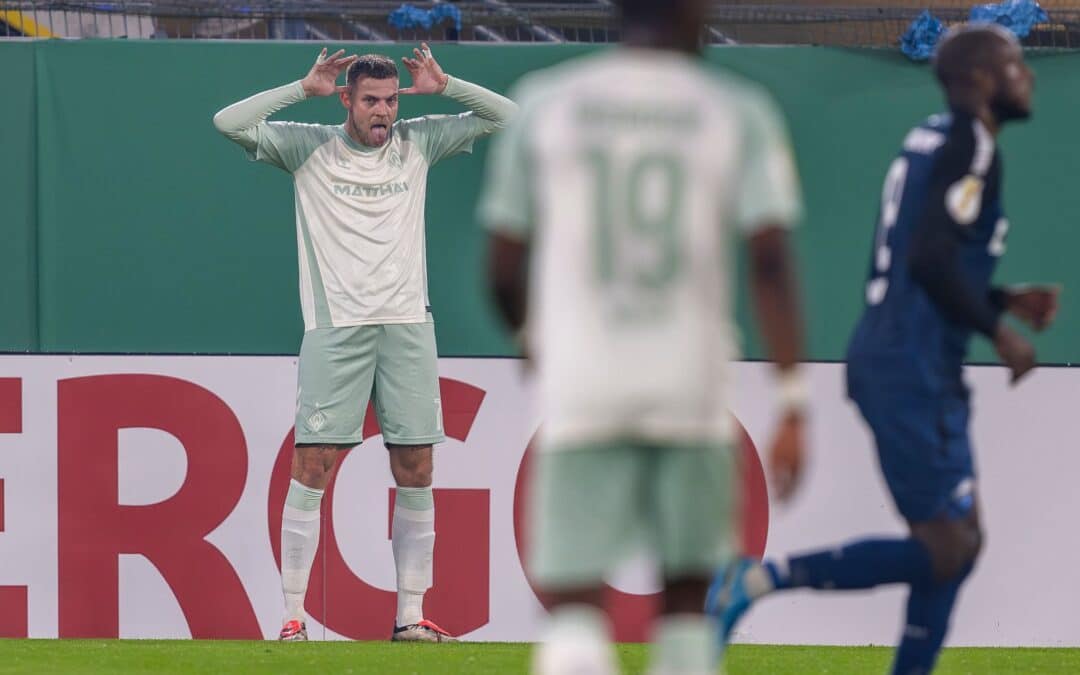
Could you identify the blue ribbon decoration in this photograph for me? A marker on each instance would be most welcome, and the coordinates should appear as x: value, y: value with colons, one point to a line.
x: 921, y: 37
x: 408, y: 16
x: 1017, y: 15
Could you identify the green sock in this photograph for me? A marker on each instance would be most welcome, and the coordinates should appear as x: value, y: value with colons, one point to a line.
x: 580, y: 620
x: 685, y: 644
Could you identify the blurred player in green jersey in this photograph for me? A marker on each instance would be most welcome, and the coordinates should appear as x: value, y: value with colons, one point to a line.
x: 622, y: 186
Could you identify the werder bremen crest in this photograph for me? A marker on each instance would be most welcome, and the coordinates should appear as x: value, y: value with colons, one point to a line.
x: 317, y: 420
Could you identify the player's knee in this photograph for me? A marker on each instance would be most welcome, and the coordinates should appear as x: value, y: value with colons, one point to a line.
x: 969, y: 541
x: 961, y: 559
x: 417, y: 478
x: 947, y: 560
x: 974, y: 544
x: 953, y: 549
x: 685, y: 595
x: 412, y: 466
x: 312, y: 475
x: 312, y: 466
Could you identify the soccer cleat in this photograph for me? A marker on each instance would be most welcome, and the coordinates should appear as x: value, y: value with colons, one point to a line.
x: 728, y: 599
x: 293, y: 631
x: 424, y: 631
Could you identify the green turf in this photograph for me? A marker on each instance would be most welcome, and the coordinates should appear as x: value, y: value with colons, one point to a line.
x: 76, y: 657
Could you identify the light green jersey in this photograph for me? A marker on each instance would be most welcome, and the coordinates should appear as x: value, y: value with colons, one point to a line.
x: 630, y: 172
x: 360, y: 210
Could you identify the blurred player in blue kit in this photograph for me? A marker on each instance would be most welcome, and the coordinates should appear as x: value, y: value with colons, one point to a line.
x: 940, y: 234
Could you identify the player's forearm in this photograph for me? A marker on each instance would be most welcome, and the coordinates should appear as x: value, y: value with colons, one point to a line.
x: 240, y: 121
x: 933, y: 266
x: 508, y: 278
x: 776, y: 298
x: 957, y: 301
x: 485, y: 103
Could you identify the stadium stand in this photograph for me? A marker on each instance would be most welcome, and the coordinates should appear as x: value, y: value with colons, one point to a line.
x: 828, y: 22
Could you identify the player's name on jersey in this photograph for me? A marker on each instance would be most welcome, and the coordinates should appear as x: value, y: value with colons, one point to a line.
x: 608, y: 113
x: 354, y: 190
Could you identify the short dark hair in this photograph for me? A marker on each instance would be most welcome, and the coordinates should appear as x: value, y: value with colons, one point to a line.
x: 969, y: 47
x: 375, y: 66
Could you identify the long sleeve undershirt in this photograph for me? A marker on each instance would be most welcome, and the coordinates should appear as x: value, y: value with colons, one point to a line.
x: 240, y: 121
x: 937, y: 241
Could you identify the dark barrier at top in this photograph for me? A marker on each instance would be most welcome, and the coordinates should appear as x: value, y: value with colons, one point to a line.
x: 130, y: 225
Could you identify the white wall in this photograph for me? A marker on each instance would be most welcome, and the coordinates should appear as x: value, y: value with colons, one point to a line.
x: 1023, y: 592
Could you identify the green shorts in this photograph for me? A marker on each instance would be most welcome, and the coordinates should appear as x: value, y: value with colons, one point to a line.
x: 593, y: 506
x: 342, y: 369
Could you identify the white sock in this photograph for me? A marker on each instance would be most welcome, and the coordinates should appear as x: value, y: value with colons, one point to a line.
x: 299, y: 542
x: 577, y: 641
x: 413, y: 540
x: 684, y: 644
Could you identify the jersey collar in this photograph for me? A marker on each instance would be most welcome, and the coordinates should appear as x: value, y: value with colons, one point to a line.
x: 360, y: 147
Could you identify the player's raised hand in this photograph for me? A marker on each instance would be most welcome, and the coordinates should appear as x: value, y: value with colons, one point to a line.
x: 1034, y: 305
x: 786, y: 457
x: 321, y: 80
x: 427, y: 75
x: 1015, y: 351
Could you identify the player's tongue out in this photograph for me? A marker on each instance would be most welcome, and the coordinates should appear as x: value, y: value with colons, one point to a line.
x: 379, y: 133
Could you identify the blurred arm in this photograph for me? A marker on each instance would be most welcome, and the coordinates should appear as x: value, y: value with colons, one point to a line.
x: 240, y: 121
x: 508, y: 277
x: 775, y: 296
x: 952, y: 206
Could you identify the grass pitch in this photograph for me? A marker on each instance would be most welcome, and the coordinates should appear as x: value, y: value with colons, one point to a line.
x: 96, y: 657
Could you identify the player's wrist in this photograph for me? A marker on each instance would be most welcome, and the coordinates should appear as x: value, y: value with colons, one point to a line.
x: 521, y: 338
x: 449, y: 85
x: 793, y: 391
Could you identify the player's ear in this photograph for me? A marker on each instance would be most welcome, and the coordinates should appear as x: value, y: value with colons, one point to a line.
x: 985, y: 81
x: 345, y: 94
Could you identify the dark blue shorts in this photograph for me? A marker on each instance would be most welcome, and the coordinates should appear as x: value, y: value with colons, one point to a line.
x: 924, y: 450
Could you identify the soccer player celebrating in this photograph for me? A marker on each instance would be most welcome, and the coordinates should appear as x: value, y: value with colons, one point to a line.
x: 940, y: 234
x: 369, y: 330
x: 626, y: 176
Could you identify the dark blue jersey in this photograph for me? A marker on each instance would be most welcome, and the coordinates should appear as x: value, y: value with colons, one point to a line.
x: 939, y: 235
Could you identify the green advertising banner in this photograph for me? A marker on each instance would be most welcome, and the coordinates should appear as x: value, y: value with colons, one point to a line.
x: 135, y: 227
x: 18, y: 192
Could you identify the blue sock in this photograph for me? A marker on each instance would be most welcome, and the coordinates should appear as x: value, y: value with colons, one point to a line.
x: 927, y: 622
x: 861, y: 564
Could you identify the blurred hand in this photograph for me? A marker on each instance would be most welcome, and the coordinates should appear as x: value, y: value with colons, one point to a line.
x: 427, y: 75
x: 321, y: 80
x: 1035, y: 305
x: 527, y: 362
x: 786, y: 459
x: 1015, y: 351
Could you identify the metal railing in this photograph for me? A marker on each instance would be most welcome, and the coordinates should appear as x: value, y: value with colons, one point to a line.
x: 852, y: 23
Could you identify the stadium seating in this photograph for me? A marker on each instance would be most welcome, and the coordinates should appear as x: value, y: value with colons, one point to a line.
x: 829, y: 22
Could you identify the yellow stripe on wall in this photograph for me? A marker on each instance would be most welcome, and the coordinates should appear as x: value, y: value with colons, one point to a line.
x: 22, y: 22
